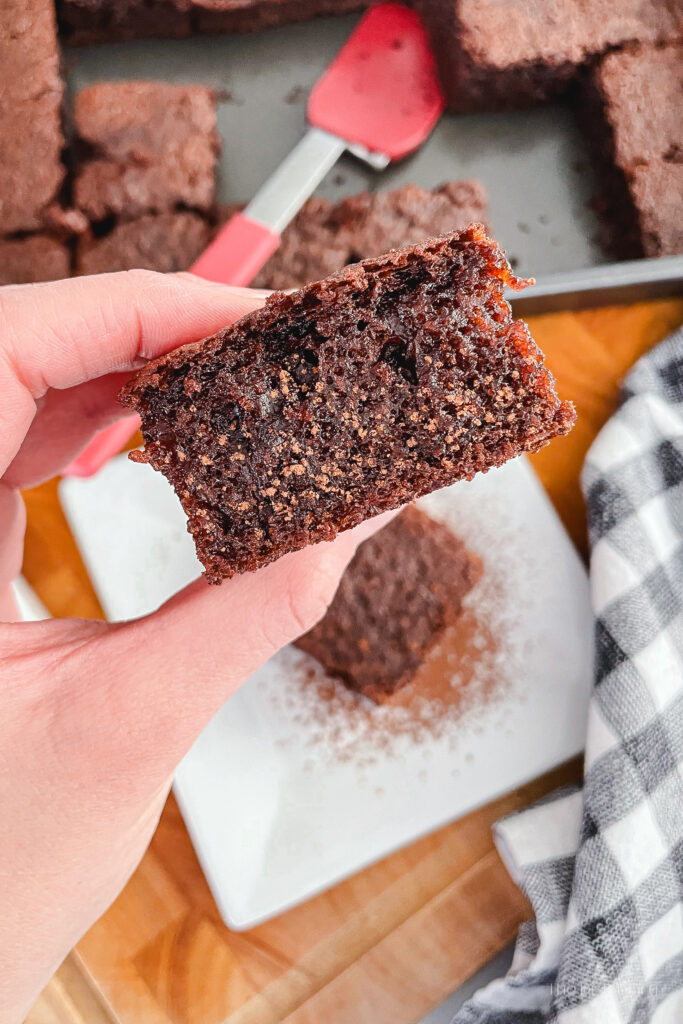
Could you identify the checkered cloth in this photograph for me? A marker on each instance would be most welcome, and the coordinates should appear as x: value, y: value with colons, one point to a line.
x: 603, y: 866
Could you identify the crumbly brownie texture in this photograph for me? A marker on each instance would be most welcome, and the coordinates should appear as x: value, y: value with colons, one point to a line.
x: 356, y: 394
x: 404, y: 587
x: 163, y: 242
x: 33, y: 258
x: 153, y: 148
x: 633, y: 115
x: 30, y: 138
x: 326, y: 236
x: 91, y: 21
x: 507, y: 53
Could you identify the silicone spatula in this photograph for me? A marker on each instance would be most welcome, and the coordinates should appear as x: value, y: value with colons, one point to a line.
x: 379, y: 99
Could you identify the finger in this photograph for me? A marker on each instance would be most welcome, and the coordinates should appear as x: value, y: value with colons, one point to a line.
x: 221, y: 635
x: 63, y: 425
x: 9, y: 611
x: 12, y: 527
x: 147, y: 688
x: 61, y: 334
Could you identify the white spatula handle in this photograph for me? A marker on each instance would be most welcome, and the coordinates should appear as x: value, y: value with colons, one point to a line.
x: 284, y: 193
x: 31, y: 608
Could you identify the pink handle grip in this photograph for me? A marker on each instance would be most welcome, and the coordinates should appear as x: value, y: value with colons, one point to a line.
x: 235, y: 257
x: 237, y: 253
x: 103, y: 447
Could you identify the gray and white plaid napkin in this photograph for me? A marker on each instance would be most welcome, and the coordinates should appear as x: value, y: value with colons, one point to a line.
x: 603, y: 866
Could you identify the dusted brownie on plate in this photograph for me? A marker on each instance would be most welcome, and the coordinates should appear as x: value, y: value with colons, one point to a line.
x: 403, y: 588
x: 354, y: 395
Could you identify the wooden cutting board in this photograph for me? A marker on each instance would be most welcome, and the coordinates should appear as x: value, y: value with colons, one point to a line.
x: 390, y: 943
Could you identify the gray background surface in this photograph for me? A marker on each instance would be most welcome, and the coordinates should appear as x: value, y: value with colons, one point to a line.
x: 533, y: 163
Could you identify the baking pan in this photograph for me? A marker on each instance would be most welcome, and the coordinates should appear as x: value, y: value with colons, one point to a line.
x: 602, y: 285
x: 533, y: 163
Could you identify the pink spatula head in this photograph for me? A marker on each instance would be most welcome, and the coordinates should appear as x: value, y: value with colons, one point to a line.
x: 381, y: 92
x: 380, y: 99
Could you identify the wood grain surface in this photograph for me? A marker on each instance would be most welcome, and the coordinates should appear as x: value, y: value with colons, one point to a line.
x: 390, y: 943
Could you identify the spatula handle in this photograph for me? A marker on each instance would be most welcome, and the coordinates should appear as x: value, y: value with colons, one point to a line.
x: 246, y: 243
x: 29, y: 605
x: 235, y: 256
x: 241, y: 248
x: 103, y: 447
x: 281, y: 197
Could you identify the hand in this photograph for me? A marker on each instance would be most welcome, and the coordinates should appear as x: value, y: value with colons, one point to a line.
x: 94, y: 716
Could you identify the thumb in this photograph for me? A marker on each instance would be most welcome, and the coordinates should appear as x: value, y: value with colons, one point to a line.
x: 161, y: 678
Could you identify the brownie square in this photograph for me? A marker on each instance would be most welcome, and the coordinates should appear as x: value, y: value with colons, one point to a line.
x: 326, y: 236
x: 657, y: 195
x: 495, y: 54
x: 95, y: 21
x: 163, y: 242
x: 31, y: 141
x: 633, y: 113
x: 354, y: 395
x: 253, y: 15
x: 642, y: 96
x: 403, y: 588
x: 33, y: 258
x: 152, y: 147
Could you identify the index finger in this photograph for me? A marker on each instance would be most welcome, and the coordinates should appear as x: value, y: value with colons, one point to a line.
x: 62, y: 334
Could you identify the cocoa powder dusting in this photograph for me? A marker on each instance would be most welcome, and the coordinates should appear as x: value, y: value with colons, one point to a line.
x: 466, y: 676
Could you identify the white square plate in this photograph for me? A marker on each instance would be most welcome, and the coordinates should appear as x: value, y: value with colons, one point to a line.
x: 285, y: 793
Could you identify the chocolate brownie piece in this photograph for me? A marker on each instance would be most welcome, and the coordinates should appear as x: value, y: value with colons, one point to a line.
x: 253, y: 15
x: 325, y: 236
x: 633, y: 114
x: 31, y: 142
x: 92, y: 21
x: 507, y: 53
x: 642, y: 96
x: 163, y: 241
x: 153, y: 148
x: 356, y: 394
x: 33, y: 258
x: 403, y: 588
x: 657, y: 194
x: 95, y: 21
